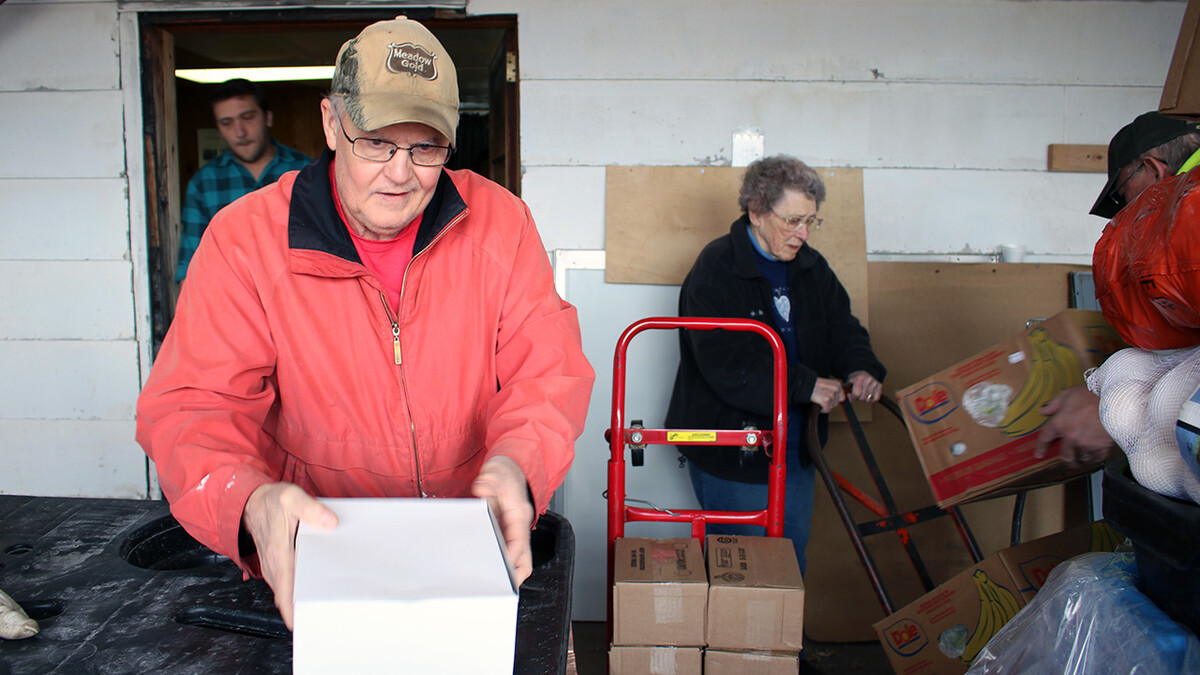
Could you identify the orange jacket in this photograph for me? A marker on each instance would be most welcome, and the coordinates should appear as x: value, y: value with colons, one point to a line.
x: 284, y: 362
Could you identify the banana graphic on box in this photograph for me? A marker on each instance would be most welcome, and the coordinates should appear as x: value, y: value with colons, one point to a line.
x: 997, y: 606
x: 1053, y: 367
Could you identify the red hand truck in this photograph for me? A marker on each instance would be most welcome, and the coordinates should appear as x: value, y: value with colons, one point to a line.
x: 634, y: 435
x: 620, y: 434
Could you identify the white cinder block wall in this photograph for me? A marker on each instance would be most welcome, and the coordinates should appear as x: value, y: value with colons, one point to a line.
x: 947, y: 105
x: 69, y: 341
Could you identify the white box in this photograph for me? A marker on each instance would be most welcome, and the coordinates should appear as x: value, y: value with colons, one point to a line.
x: 404, y: 585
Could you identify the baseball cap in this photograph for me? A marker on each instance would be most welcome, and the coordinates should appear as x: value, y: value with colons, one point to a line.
x: 397, y: 71
x: 1146, y: 132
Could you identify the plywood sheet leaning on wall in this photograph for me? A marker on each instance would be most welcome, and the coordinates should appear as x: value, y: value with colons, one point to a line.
x: 657, y: 218
x: 928, y: 316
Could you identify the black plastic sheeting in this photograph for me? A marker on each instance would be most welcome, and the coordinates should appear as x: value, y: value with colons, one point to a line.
x: 119, y: 587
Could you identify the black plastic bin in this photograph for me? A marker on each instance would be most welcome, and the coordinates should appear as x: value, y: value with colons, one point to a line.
x: 119, y: 587
x: 1166, y: 542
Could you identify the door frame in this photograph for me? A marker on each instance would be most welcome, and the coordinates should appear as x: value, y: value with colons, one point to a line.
x: 147, y: 63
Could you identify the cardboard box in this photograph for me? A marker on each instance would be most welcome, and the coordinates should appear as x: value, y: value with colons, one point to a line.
x: 400, y: 586
x: 625, y: 660
x: 941, y: 632
x: 721, y: 662
x: 660, y: 593
x: 1181, y: 91
x: 755, y: 594
x: 975, y: 424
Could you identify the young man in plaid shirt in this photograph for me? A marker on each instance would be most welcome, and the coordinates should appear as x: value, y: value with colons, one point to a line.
x: 253, y: 160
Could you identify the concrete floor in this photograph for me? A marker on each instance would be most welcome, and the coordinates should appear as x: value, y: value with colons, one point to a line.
x: 820, y: 658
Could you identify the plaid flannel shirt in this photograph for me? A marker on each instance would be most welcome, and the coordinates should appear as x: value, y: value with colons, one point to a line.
x: 216, y: 185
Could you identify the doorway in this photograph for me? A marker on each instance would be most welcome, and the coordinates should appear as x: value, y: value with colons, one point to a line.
x: 180, y: 131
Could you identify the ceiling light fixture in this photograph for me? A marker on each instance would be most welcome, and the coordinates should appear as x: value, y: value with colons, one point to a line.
x: 282, y: 74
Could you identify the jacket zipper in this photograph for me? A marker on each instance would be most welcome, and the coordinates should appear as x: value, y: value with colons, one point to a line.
x: 395, y: 321
x: 412, y: 429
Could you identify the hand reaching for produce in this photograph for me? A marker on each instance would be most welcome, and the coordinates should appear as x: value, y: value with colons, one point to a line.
x: 271, y: 516
x: 1074, y: 422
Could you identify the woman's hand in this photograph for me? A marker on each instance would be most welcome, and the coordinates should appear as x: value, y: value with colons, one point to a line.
x: 827, y: 394
x: 864, y: 387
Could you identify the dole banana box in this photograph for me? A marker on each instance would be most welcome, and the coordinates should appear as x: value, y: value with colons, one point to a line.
x: 975, y: 424
x: 943, y: 631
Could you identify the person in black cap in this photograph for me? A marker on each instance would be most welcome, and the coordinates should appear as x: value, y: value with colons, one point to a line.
x: 1148, y: 149
x: 1151, y: 148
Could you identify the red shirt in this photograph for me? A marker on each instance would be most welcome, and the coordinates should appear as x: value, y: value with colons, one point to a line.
x: 387, y: 258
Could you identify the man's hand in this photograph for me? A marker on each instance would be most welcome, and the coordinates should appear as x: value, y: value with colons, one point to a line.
x: 828, y: 394
x: 271, y: 516
x: 1075, y: 422
x: 502, y: 483
x: 864, y: 387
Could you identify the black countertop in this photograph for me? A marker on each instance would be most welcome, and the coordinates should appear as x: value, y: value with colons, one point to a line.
x: 118, y: 587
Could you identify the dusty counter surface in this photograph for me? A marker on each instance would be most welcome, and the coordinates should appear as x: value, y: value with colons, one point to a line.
x: 118, y: 586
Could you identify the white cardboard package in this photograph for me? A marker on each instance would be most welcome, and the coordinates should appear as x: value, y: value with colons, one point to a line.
x: 404, y: 585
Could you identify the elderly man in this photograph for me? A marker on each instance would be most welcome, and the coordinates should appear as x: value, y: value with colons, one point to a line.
x: 1151, y: 148
x: 374, y: 325
x: 253, y: 160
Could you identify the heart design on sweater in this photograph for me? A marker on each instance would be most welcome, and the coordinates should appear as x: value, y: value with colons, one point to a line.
x: 783, y: 305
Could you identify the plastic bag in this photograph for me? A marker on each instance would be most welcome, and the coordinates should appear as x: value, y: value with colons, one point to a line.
x: 1146, y: 266
x: 1090, y: 618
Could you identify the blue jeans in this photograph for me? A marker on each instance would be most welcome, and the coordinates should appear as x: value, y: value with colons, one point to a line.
x: 718, y: 494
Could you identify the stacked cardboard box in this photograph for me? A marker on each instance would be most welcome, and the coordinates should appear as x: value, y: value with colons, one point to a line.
x: 755, y: 604
x: 719, y: 662
x: 660, y: 600
x: 941, y: 632
x: 654, y: 660
x: 975, y: 424
x: 746, y: 615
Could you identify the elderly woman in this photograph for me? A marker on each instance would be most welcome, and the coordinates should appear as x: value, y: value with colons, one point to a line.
x: 764, y: 270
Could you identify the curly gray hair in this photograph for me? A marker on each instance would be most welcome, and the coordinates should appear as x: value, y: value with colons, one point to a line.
x: 767, y: 178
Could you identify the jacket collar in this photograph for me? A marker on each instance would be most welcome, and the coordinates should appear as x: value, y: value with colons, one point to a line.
x: 1191, y: 163
x: 314, y: 224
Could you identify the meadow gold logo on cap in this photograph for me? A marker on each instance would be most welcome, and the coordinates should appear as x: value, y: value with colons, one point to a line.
x: 395, y: 72
x: 411, y: 59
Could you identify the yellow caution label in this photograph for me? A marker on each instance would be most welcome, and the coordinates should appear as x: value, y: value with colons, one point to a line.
x: 691, y: 436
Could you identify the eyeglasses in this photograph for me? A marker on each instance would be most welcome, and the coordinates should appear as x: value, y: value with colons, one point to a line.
x: 796, y: 222
x: 380, y: 150
x: 1115, y: 195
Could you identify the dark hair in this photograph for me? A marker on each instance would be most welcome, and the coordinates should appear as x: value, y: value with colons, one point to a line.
x: 239, y: 87
x: 767, y: 178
